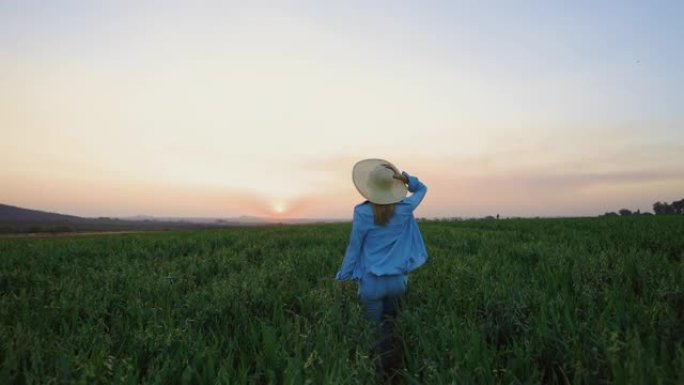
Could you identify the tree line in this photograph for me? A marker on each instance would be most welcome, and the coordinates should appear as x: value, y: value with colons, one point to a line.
x: 659, y: 208
x: 664, y: 208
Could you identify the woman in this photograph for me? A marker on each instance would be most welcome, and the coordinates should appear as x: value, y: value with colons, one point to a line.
x: 385, y: 243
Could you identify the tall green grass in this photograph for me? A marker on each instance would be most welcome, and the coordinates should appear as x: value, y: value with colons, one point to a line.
x: 566, y: 301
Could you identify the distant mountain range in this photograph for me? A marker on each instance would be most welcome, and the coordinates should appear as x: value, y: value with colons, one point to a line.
x: 18, y: 214
x: 15, y: 219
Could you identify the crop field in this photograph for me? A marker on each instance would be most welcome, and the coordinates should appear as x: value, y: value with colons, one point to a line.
x: 525, y: 301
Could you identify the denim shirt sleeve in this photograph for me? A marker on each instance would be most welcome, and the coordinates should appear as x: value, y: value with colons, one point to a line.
x: 418, y: 190
x: 352, y: 257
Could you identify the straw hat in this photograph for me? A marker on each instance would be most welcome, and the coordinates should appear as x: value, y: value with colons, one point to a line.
x: 377, y: 183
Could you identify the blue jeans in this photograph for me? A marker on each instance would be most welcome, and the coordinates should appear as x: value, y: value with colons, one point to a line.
x: 381, y: 297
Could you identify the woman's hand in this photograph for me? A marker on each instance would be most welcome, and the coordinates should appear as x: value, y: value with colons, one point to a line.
x: 397, y: 175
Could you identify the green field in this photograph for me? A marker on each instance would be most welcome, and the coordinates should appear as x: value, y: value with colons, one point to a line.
x: 566, y: 301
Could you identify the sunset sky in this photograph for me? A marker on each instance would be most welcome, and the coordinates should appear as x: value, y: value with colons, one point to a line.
x: 222, y: 109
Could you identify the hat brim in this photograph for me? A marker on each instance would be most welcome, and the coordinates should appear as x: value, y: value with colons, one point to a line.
x: 360, y: 174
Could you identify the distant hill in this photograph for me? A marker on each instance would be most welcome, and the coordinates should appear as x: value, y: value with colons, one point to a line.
x: 15, y: 219
x: 18, y: 214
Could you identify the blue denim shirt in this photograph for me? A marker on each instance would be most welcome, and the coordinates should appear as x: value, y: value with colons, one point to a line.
x: 396, y: 248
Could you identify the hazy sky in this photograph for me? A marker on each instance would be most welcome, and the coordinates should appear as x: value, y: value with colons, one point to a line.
x: 215, y: 108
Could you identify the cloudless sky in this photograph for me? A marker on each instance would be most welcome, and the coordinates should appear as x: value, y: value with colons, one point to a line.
x: 216, y: 108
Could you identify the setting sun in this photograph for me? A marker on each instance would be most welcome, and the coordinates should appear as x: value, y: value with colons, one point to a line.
x: 279, y: 208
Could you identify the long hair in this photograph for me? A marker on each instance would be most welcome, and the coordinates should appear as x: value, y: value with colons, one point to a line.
x: 382, y: 213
